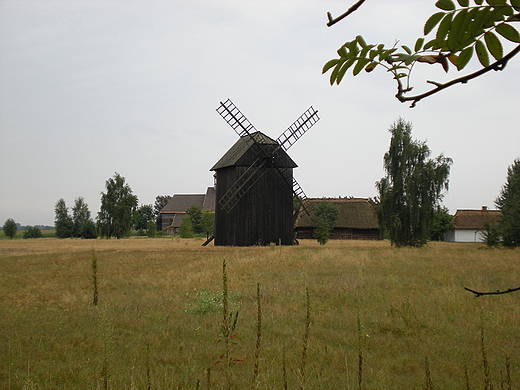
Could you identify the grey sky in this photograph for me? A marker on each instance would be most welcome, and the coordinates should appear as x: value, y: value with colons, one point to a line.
x: 90, y: 88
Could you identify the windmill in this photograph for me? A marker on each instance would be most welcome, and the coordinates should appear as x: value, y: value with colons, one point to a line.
x: 255, y: 187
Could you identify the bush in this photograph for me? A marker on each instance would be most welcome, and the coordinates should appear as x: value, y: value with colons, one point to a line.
x: 32, y: 232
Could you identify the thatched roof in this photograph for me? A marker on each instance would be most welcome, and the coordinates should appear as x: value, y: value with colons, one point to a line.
x: 475, y: 219
x: 354, y: 213
x: 240, y: 153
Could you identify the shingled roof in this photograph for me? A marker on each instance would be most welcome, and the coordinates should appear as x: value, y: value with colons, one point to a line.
x: 475, y: 219
x: 238, y: 153
x: 179, y: 203
x: 354, y: 213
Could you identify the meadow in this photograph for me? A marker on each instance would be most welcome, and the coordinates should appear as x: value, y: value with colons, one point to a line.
x: 346, y: 315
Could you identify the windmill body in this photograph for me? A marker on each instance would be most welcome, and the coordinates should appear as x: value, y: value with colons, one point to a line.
x: 255, y: 186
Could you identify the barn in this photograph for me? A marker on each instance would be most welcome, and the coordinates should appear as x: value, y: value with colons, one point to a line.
x: 259, y: 175
x: 174, y: 211
x: 468, y: 225
x: 356, y: 221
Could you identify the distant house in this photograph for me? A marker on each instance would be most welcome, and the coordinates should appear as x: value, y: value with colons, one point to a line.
x: 173, y: 213
x: 357, y: 221
x: 469, y: 224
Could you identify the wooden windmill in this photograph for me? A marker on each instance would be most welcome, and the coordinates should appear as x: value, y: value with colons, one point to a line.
x: 255, y: 188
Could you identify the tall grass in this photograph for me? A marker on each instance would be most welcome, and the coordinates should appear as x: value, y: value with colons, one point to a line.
x: 403, y: 311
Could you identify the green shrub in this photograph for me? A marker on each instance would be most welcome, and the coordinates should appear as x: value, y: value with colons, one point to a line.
x: 32, y: 232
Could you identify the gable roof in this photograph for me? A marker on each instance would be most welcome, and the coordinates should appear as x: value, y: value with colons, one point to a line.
x: 475, y: 219
x: 179, y: 203
x: 354, y: 213
x: 240, y: 153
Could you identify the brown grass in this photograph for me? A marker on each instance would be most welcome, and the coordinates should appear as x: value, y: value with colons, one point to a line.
x: 411, y: 302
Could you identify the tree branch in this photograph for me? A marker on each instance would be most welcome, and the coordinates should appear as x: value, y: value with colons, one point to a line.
x: 498, y: 65
x: 350, y: 10
x: 479, y: 293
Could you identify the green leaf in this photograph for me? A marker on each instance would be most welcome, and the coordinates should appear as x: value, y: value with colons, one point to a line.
x: 446, y: 5
x: 508, y: 32
x: 476, y: 28
x: 456, y: 33
x: 430, y: 44
x: 443, y: 29
x: 516, y: 4
x: 329, y: 65
x: 334, y: 74
x: 494, y: 45
x: 384, y: 55
x: 343, y: 51
x: 463, y: 3
x: 344, y: 69
x: 418, y: 44
x: 407, y: 49
x: 370, y: 67
x: 479, y: 2
x: 482, y: 53
x: 432, y: 22
x: 360, y: 65
x: 361, y: 41
x: 464, y: 57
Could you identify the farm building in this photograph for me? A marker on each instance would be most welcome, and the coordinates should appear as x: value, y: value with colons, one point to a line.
x: 173, y: 213
x: 469, y: 224
x: 357, y: 221
x: 261, y: 209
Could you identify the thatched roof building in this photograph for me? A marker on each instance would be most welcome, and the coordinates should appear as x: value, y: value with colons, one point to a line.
x: 469, y: 224
x: 357, y: 220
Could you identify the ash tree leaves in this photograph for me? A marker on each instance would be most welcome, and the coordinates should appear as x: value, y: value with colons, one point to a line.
x: 459, y: 30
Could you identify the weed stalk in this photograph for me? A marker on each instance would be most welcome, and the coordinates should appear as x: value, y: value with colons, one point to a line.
x: 488, y: 385
x: 360, y: 349
x: 305, y: 339
x: 94, y: 278
x: 429, y: 382
x: 256, y: 371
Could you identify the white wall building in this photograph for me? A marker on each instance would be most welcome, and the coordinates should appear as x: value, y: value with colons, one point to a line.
x: 469, y: 224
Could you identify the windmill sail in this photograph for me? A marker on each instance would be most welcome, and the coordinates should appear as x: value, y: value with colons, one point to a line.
x: 234, y: 117
x: 305, y: 205
x: 243, y: 184
x: 298, y: 128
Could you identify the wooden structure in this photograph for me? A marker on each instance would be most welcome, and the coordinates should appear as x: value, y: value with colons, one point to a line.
x: 356, y: 220
x: 255, y: 186
x: 468, y: 225
x: 174, y: 211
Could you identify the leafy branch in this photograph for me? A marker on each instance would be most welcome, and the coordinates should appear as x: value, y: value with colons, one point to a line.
x: 459, y: 34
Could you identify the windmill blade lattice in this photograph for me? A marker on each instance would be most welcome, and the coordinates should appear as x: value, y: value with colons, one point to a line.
x: 242, y: 185
x: 300, y: 195
x: 234, y: 117
x: 298, y: 128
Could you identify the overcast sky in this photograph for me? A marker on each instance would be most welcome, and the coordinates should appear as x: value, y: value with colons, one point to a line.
x: 90, y: 88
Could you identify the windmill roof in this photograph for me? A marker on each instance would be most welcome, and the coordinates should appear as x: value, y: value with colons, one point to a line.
x: 475, y: 219
x: 354, y: 213
x: 236, y: 154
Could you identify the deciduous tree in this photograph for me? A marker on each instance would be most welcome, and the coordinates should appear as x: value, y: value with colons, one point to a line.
x: 10, y: 228
x: 118, y: 205
x: 509, y: 205
x: 63, y: 223
x: 195, y: 213
x: 325, y: 215
x: 160, y: 202
x: 143, y: 215
x: 83, y: 225
x: 412, y: 189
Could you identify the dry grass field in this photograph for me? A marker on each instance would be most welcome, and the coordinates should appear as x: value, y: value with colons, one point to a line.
x: 401, y: 315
